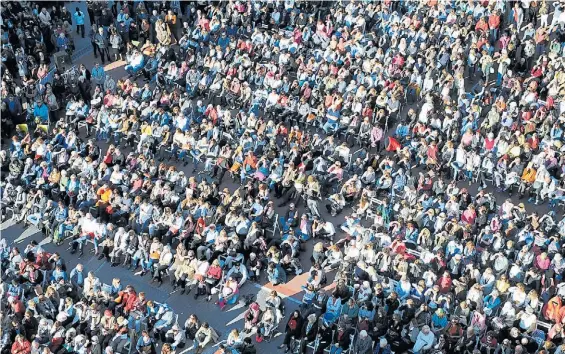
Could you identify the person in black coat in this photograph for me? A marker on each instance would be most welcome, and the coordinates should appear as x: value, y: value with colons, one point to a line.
x: 248, y: 347
x: 293, y: 329
x: 30, y: 324
x: 309, y: 332
x: 342, y: 337
x: 7, y: 121
x: 325, y: 333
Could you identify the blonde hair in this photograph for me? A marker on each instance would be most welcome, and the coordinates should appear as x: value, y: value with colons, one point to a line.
x: 319, y: 247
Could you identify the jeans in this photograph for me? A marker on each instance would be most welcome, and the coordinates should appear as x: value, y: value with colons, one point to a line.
x: 132, y: 70
x: 141, y: 227
x: 79, y: 242
x: 149, y: 264
x: 153, y: 230
x: 117, y: 138
x: 330, y: 127
x: 63, y: 228
x: 195, y: 160
x: 498, y: 79
x: 182, y: 155
x: 335, y: 349
x: 493, y: 35
x: 85, y: 204
x: 102, y: 134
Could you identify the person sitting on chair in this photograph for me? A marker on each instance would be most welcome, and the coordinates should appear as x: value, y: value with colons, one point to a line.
x: 136, y: 63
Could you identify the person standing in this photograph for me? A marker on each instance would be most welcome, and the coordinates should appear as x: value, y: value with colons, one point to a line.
x: 92, y: 35
x: 102, y: 44
x: 79, y: 20
x: 91, y: 7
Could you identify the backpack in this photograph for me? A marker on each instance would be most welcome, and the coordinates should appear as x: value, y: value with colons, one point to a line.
x: 248, y: 299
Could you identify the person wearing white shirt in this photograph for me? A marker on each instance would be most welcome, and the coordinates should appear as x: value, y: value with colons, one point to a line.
x: 272, y: 99
x: 91, y: 285
x: 460, y: 160
x: 45, y: 17
x: 136, y: 63
x: 88, y: 224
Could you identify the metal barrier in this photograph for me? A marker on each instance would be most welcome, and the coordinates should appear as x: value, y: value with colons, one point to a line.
x: 76, y: 56
x: 275, y: 225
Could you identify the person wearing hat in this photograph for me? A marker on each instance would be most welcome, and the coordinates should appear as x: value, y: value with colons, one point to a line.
x: 175, y: 337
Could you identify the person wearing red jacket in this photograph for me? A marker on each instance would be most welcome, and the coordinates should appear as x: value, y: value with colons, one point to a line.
x: 445, y: 283
x: 140, y: 303
x: 129, y: 299
x: 21, y: 345
x: 17, y: 307
x: 494, y: 25
x: 482, y: 26
x: 125, y: 301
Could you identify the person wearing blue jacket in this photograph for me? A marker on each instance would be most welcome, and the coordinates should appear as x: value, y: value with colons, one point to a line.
x: 333, y: 305
x: 59, y: 215
x: 491, y: 303
x: 78, y: 275
x: 98, y: 74
x: 223, y: 41
x: 79, y: 21
x: 58, y: 274
x: 145, y: 343
x: 276, y: 274
x: 40, y: 110
x: 14, y: 105
x: 62, y: 42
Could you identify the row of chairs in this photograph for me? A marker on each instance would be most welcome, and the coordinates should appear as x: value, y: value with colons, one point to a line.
x: 295, y: 345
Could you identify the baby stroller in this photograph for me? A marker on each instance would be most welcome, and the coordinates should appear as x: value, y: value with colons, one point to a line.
x: 268, y: 325
x: 226, y: 296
